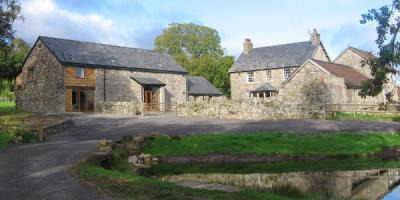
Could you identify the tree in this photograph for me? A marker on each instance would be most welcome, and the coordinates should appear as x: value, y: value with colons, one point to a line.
x: 198, y: 49
x: 11, y: 62
x: 9, y: 12
x: 388, y: 20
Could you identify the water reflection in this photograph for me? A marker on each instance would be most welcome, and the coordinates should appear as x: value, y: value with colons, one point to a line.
x: 354, y: 184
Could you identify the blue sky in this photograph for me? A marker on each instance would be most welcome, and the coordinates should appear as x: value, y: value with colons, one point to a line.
x: 137, y: 23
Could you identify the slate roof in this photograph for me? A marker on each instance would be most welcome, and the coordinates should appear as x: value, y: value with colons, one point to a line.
x: 351, y: 77
x: 264, y: 88
x: 72, y: 52
x: 278, y: 56
x: 148, y: 81
x: 198, y: 85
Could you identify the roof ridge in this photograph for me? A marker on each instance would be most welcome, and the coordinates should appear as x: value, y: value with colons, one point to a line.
x: 276, y: 45
x: 330, y: 62
x: 96, y: 43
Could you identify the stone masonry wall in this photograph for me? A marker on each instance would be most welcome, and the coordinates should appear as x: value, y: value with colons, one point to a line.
x: 46, y: 92
x: 240, y: 87
x: 119, y: 87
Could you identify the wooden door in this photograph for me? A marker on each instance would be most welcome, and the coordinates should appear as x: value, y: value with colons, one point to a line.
x: 82, y: 100
x: 148, y: 95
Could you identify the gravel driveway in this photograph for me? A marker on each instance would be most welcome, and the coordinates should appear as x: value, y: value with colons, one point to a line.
x: 38, y: 171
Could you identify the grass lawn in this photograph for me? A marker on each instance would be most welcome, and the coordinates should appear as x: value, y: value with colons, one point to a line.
x: 8, y: 111
x: 365, y: 116
x: 129, y: 186
x: 336, y: 145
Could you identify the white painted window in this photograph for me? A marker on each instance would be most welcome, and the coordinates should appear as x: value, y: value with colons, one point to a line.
x: 287, y: 72
x: 80, y: 72
x: 269, y: 75
x: 250, y: 77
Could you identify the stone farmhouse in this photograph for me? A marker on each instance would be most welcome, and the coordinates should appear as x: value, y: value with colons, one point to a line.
x: 291, y: 73
x: 62, y: 75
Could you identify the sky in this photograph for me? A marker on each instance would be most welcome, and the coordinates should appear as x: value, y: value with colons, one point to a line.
x: 136, y: 23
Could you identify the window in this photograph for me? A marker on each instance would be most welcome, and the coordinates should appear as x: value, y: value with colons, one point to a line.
x: 30, y: 74
x: 80, y: 72
x: 250, y: 77
x: 287, y: 73
x: 269, y: 75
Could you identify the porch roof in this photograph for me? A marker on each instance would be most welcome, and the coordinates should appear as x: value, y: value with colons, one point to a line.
x: 148, y: 81
x: 264, y: 88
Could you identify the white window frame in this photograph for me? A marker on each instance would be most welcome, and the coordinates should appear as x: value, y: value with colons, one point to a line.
x: 80, y: 72
x: 250, y: 77
x: 269, y: 75
x: 287, y: 72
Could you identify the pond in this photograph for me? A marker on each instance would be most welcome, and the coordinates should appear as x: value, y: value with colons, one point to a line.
x: 343, y: 184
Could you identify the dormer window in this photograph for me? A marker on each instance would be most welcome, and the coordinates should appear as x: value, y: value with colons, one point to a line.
x: 250, y: 77
x: 80, y: 72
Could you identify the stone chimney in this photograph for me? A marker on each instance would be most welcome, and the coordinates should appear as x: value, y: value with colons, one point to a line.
x: 247, y: 46
x: 315, y: 37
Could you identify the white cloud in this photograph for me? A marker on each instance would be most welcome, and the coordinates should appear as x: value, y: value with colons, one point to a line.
x: 45, y: 17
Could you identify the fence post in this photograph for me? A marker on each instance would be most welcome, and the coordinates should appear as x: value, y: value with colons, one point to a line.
x: 40, y: 130
x: 22, y: 127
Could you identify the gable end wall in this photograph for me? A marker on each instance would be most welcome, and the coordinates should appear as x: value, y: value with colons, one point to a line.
x: 46, y: 92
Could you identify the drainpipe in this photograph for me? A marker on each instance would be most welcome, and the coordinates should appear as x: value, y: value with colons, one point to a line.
x: 104, y: 84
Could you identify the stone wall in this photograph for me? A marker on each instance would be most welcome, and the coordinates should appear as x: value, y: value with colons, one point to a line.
x: 119, y: 87
x: 131, y: 108
x: 45, y: 93
x: 249, y: 109
x: 320, y: 54
x: 240, y: 87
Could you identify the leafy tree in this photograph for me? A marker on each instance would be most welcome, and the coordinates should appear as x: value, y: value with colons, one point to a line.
x: 198, y: 49
x: 13, y: 57
x: 388, y: 20
x: 9, y: 12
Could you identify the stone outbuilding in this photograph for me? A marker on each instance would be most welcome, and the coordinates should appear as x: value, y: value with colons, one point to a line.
x: 61, y: 75
x: 199, y: 88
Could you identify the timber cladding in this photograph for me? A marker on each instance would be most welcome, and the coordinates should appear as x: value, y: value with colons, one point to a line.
x: 68, y: 100
x: 70, y: 78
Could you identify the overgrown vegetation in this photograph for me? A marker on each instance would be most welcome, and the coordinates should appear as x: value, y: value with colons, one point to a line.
x: 366, y: 116
x: 337, y: 145
x: 6, y: 138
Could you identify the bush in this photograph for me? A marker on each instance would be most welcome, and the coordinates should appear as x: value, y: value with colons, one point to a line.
x: 7, y: 89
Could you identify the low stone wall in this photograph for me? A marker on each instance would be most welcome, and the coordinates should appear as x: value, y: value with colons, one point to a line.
x: 251, y: 109
x: 131, y: 108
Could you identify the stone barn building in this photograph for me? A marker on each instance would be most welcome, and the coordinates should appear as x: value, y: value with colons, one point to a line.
x: 62, y: 75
